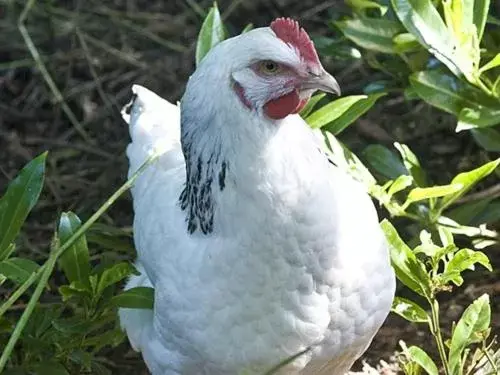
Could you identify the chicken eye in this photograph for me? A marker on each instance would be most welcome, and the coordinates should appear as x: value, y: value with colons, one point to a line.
x: 269, y: 67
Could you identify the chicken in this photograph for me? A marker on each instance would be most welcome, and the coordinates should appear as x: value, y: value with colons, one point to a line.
x: 258, y: 247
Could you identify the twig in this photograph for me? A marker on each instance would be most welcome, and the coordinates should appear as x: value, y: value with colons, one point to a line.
x: 491, y: 192
x: 148, y: 34
x: 93, y: 72
x: 230, y: 9
x: 45, y: 73
x: 113, y: 51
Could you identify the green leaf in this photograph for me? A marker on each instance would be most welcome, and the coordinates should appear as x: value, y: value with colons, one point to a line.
x: 332, y: 111
x: 412, y: 164
x: 18, y: 269
x: 468, y: 180
x: 419, y: 193
x: 470, y: 328
x: 362, y: 5
x: 113, y: 275
x: 409, y: 310
x: 211, y: 33
x: 355, y: 111
x: 476, y: 213
x: 140, y: 297
x: 310, y: 104
x: 465, y: 259
x: 247, y: 28
x: 420, y: 357
x: 347, y: 161
x: 469, y: 118
x: 21, y: 196
x: 449, y: 93
x: 75, y: 261
x: 371, y: 33
x: 75, y: 289
x: 406, y: 42
x: 110, y: 338
x: 487, y: 138
x: 74, y: 325
x: 82, y: 358
x: 480, y: 14
x: 111, y: 242
x: 50, y: 368
x: 422, y: 19
x: 493, y: 63
x: 408, y: 269
x: 384, y: 161
x: 401, y: 183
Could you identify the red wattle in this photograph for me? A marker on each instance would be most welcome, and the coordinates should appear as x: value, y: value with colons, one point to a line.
x: 281, y: 107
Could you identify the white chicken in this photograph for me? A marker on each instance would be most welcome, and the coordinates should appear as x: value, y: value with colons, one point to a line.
x: 258, y: 248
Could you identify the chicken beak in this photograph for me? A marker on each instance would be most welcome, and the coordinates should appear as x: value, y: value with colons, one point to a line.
x: 324, y: 82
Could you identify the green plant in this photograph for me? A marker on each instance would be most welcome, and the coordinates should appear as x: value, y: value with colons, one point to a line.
x: 428, y: 270
x: 445, y: 52
x: 64, y: 336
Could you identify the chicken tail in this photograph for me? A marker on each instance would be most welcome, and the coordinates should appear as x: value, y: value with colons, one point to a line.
x: 154, y: 126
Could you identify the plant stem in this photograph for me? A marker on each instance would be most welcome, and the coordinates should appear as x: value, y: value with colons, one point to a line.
x: 20, y: 291
x: 436, y: 332
x: 48, y: 266
x: 491, y: 360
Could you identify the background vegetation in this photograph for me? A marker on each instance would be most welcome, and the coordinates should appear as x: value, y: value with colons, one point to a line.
x: 421, y: 107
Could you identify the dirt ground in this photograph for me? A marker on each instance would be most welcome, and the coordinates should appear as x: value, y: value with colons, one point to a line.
x: 95, y: 50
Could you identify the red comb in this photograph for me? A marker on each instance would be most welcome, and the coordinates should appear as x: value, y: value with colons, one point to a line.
x: 290, y: 32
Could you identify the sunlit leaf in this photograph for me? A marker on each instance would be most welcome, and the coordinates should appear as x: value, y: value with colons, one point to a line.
x: 21, y: 196
x: 310, y: 104
x: 75, y: 261
x: 408, y: 269
x: 355, y: 111
x: 493, y: 63
x: 401, y: 183
x: 412, y: 164
x: 135, y: 298
x: 212, y: 33
x: 420, y: 357
x: 465, y: 259
x: 409, y: 310
x: 423, y: 20
x: 468, y: 180
x: 474, y: 321
x: 418, y: 193
x: 332, y: 111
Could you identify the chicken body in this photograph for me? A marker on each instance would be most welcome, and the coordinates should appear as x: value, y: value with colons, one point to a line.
x: 258, y: 248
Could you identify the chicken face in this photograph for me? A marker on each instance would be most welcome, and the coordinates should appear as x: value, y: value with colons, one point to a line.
x: 279, y: 70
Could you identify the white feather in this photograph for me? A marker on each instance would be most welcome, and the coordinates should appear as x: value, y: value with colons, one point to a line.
x: 296, y: 258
